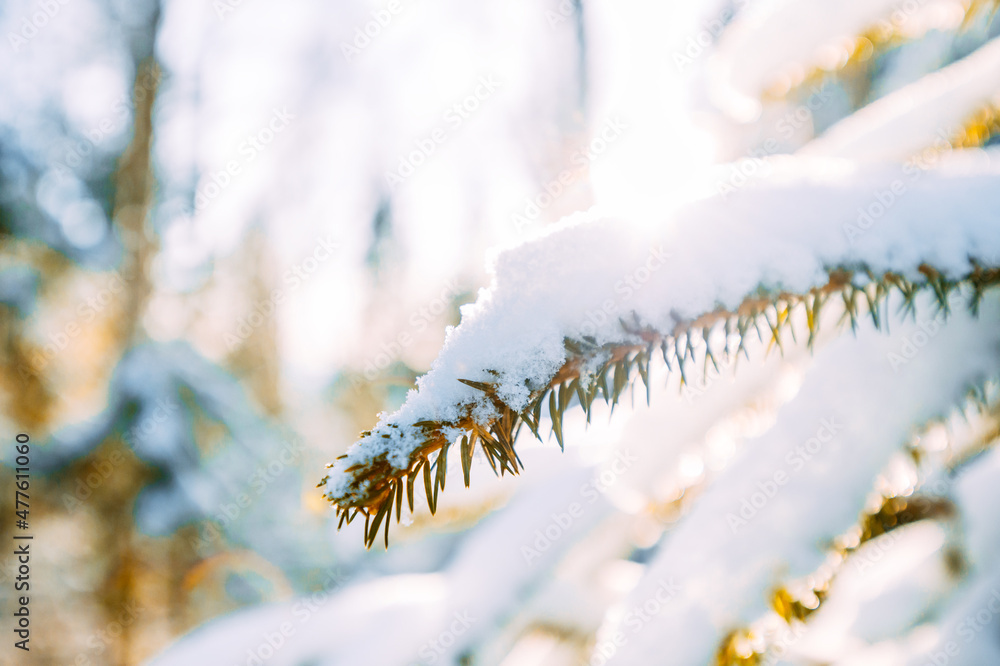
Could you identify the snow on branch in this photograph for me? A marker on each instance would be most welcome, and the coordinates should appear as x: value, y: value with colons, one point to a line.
x: 578, y: 313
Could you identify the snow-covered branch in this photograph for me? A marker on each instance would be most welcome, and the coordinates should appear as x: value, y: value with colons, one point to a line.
x: 572, y: 315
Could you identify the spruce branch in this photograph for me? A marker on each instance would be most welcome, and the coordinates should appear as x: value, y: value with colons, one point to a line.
x: 593, y: 370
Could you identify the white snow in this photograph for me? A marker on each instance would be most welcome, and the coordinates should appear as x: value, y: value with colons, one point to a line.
x: 584, y: 274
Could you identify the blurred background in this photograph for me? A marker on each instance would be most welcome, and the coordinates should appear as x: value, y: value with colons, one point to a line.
x: 234, y: 231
